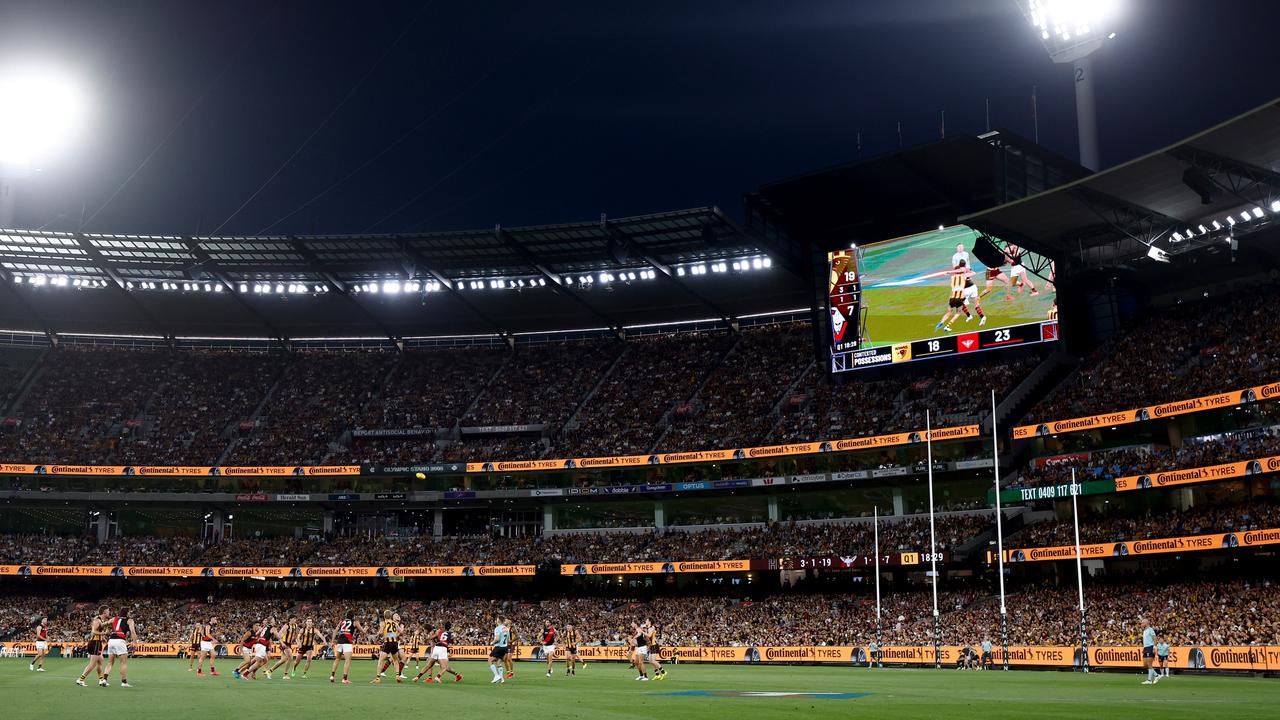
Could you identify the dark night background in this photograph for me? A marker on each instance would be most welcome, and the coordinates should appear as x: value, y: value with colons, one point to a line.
x: 542, y: 112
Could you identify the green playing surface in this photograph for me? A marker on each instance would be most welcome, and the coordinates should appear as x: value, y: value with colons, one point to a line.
x: 909, y: 310
x: 604, y: 691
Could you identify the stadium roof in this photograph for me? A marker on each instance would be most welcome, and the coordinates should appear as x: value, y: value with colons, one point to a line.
x: 911, y: 190
x: 605, y: 274
x: 1160, y: 200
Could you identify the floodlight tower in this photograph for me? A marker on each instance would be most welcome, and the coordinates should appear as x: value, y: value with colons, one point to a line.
x: 41, y: 112
x: 1072, y: 30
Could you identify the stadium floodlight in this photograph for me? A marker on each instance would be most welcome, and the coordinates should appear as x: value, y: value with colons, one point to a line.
x: 1257, y: 213
x: 44, y: 111
x: 1275, y: 206
x: 1071, y: 31
x: 1157, y: 254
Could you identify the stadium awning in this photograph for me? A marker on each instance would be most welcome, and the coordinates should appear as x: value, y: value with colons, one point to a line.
x: 1168, y: 199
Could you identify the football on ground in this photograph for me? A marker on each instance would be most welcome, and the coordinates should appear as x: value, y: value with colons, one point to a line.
x: 163, y: 689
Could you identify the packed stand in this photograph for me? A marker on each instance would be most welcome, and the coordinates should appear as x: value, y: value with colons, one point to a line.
x: 542, y: 384
x: 1185, y: 351
x: 1254, y: 515
x: 735, y: 407
x: 652, y: 377
x: 321, y: 395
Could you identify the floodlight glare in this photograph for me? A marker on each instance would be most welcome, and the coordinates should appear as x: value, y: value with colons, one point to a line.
x: 44, y: 111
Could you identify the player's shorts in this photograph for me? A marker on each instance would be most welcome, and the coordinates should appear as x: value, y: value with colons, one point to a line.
x: 391, y: 647
x: 246, y: 651
x: 655, y: 649
x: 955, y: 302
x: 1163, y: 658
x: 195, y: 647
x: 41, y: 646
x: 1148, y: 652
x: 642, y: 651
x: 260, y: 651
x: 498, y: 652
x: 548, y: 650
x: 343, y: 648
x: 440, y: 652
x: 116, y: 646
x: 971, y: 292
x: 571, y: 649
x: 304, y: 649
x: 993, y: 273
x: 93, y: 648
x: 1017, y: 270
x: 206, y: 646
x: 986, y: 657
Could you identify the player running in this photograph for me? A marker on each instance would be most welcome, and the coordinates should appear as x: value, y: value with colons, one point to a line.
x: 344, y: 637
x: 501, y: 648
x: 1149, y: 653
x: 207, y: 647
x: 262, y: 637
x: 309, y: 639
x: 956, y: 298
x: 290, y: 637
x: 570, y: 639
x: 120, y: 631
x: 246, y: 652
x: 441, y: 641
x: 93, y: 649
x: 42, y: 646
x: 549, y: 635
x: 1018, y: 273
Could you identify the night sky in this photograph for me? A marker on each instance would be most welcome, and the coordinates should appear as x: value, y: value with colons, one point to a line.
x: 449, y: 115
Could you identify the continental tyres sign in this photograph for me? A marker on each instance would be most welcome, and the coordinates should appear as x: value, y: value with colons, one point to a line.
x: 1151, y: 412
x: 1127, y: 548
x: 273, y: 572
x: 1191, y: 476
x: 643, y: 568
x: 182, y: 470
x: 958, y: 432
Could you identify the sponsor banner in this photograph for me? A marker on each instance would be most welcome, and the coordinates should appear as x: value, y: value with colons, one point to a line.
x: 854, y: 561
x: 391, y: 496
x: 178, y: 470
x: 695, y: 566
x: 851, y: 475
x: 292, y: 497
x: 1054, y: 492
x: 280, y: 572
x: 971, y: 464
x: 1130, y: 548
x: 252, y: 497
x: 546, y: 492
x: 878, y: 441
x: 1051, y: 460
x: 1151, y: 412
x: 459, y: 494
x: 1190, y: 476
x: 344, y: 497
x: 393, y: 432
x: 890, y: 472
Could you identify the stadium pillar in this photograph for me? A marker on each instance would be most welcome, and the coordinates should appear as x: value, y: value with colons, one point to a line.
x: 437, y: 524
x: 328, y: 522
x: 659, y: 515
x: 899, y: 508
x: 100, y: 527
x: 217, y: 519
x: 773, y: 509
x: 1086, y: 113
x: 548, y: 519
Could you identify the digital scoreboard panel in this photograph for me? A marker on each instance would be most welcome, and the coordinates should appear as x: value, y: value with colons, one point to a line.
x: 943, y: 292
x: 853, y: 562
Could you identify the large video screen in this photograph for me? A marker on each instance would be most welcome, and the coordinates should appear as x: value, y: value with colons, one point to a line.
x: 943, y: 292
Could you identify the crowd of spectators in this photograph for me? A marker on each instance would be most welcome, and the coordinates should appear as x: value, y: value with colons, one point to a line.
x: 735, y: 407
x: 1209, y: 519
x: 756, y: 541
x: 1130, y: 462
x: 543, y: 384
x: 1187, y: 613
x: 1172, y: 353
x: 654, y: 375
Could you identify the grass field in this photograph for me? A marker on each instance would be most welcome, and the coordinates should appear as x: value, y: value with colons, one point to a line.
x: 164, y: 689
x: 902, y: 306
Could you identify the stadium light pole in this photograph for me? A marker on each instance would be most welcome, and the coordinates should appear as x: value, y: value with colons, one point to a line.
x: 1071, y: 31
x: 1075, y: 516
x: 933, y: 543
x: 995, y: 460
x: 44, y: 110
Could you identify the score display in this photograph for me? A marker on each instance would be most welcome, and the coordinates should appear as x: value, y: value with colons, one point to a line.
x: 931, y: 295
x: 854, y: 562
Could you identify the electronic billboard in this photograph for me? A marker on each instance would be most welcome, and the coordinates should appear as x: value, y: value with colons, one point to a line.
x: 932, y: 295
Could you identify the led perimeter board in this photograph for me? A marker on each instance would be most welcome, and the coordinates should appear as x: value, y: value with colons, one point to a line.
x: 930, y: 295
